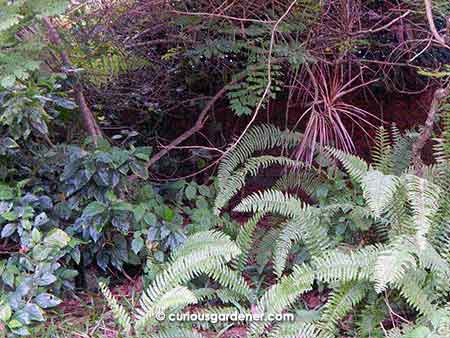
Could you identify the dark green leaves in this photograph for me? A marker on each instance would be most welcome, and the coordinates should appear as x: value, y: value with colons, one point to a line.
x: 93, y: 209
x: 6, y: 193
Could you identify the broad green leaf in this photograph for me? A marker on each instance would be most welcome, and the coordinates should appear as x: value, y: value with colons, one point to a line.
x: 34, y: 312
x: 6, y: 193
x: 139, y: 170
x: 8, y: 230
x: 14, y: 324
x: 47, y: 300
x: 5, y: 312
x: 93, y: 209
x: 139, y: 212
x: 150, y: 218
x: 46, y: 279
x: 190, y: 192
x: 57, y: 238
x: 36, y: 235
x: 137, y: 244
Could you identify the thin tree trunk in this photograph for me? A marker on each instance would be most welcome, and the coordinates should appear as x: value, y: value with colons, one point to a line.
x: 88, y: 117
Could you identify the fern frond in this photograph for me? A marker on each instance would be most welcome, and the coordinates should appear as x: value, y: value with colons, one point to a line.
x: 354, y: 165
x: 416, y: 296
x: 423, y: 197
x: 281, y: 296
x: 178, y: 297
x: 120, y: 314
x: 202, y: 253
x: 306, y: 228
x: 272, y: 201
x: 307, y: 181
x: 245, y: 239
x: 378, y: 190
x: 382, y: 152
x: 340, y: 302
x: 259, y: 138
x: 297, y: 330
x: 176, y: 332
x: 211, y: 243
x: 228, y: 278
x: 338, y: 266
x: 237, y: 180
x: 393, y: 263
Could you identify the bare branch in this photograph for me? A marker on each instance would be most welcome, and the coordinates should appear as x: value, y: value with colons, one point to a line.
x: 88, y: 118
x: 439, y: 95
x: 434, y: 31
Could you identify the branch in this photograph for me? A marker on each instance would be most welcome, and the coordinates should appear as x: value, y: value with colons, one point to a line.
x: 438, y: 96
x: 202, y: 117
x: 434, y: 31
x: 88, y: 118
x: 188, y: 133
x: 386, y: 26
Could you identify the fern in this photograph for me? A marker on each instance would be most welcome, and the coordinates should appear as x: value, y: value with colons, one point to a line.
x: 306, y: 228
x: 423, y: 197
x: 178, y: 297
x: 245, y: 95
x: 260, y: 138
x: 382, y: 152
x: 378, y: 190
x: 237, y: 180
x: 338, y: 266
x: 411, y: 289
x: 120, y: 314
x: 297, y: 330
x: 176, y: 332
x: 272, y: 201
x: 341, y: 301
x: 393, y: 263
x: 354, y: 165
x: 204, y: 253
x: 307, y: 181
x: 281, y: 296
x: 245, y: 239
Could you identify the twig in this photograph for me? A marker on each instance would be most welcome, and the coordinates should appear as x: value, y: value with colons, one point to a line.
x: 223, y: 16
x: 386, y: 26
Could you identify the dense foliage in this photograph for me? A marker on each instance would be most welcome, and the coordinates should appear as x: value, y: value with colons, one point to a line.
x: 115, y: 115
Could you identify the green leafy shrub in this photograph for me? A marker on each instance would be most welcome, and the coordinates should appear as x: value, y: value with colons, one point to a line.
x: 33, y: 268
